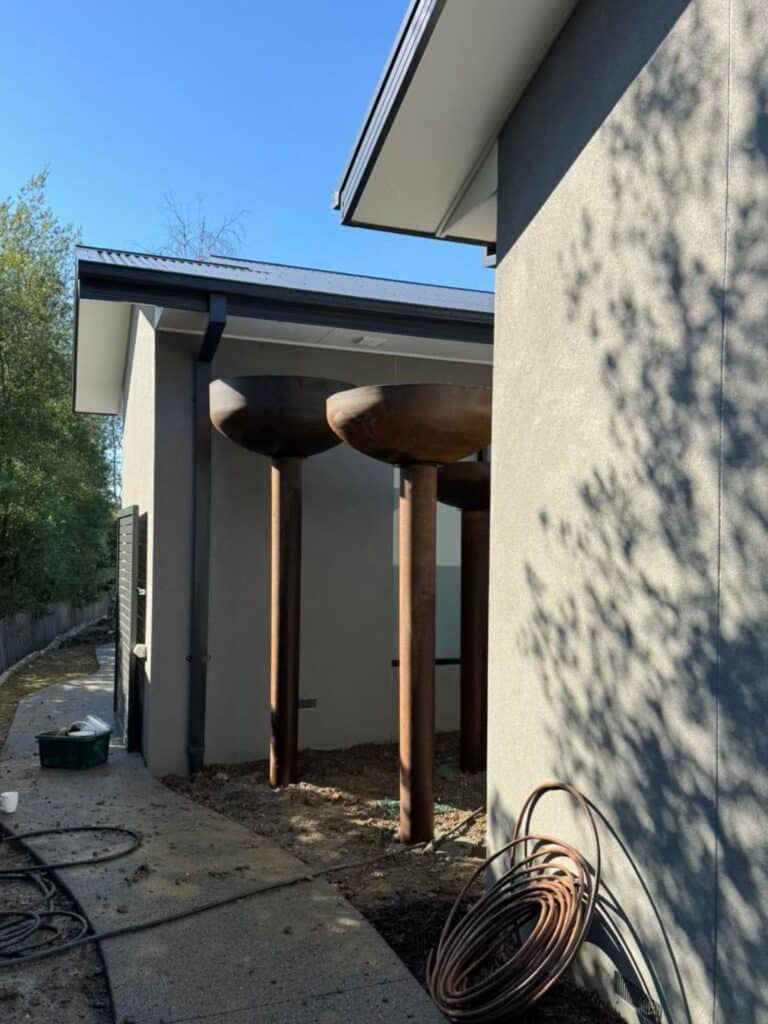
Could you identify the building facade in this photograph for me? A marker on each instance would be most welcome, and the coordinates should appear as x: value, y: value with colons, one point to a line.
x: 138, y: 360
x: 628, y: 646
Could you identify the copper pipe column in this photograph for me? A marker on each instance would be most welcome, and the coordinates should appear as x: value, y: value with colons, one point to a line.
x: 474, y: 638
x: 285, y: 596
x: 418, y: 533
x: 284, y: 418
x: 417, y: 427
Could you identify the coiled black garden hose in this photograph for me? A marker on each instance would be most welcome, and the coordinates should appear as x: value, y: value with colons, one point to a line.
x: 26, y: 930
x: 29, y: 933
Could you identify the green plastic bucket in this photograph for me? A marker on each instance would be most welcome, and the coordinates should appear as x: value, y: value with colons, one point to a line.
x: 72, y: 751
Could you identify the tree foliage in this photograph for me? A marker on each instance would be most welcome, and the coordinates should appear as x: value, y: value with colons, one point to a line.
x: 56, y: 515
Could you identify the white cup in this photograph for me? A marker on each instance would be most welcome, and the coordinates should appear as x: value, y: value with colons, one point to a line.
x: 9, y: 802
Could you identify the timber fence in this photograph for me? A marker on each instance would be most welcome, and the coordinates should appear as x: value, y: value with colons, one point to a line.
x: 25, y: 632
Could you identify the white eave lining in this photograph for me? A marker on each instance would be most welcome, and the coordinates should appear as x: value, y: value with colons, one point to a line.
x: 338, y: 339
x: 480, y: 185
x: 412, y: 35
x: 432, y: 131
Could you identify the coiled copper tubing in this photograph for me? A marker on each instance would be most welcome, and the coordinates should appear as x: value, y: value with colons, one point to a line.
x: 513, y: 944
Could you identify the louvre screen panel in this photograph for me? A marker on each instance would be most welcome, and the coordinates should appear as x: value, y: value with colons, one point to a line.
x: 127, y: 613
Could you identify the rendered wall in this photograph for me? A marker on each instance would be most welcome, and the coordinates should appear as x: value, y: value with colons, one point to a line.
x: 629, y: 563
x: 138, y: 453
x: 346, y: 631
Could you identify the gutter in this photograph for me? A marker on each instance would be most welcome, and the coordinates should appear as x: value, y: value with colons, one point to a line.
x: 145, y: 286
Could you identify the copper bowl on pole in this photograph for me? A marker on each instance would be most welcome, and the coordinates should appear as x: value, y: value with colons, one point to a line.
x: 282, y: 417
x: 418, y: 427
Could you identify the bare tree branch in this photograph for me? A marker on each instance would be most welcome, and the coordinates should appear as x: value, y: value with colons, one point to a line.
x: 188, y: 233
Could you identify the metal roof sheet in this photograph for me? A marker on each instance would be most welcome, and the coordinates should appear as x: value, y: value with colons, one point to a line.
x: 299, y: 279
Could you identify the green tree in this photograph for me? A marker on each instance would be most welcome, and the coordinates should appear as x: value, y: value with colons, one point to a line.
x: 56, y: 515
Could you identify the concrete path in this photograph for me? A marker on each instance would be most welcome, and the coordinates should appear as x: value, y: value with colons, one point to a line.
x: 301, y: 954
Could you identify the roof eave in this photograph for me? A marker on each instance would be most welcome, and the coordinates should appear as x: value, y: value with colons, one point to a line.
x: 412, y: 38
x: 107, y: 282
x: 446, y: 189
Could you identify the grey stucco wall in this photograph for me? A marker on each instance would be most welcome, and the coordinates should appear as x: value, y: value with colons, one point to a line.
x: 138, y: 450
x: 629, y: 511
x: 347, y: 624
x: 170, y: 586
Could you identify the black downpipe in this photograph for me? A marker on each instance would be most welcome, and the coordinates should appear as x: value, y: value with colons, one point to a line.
x: 201, y: 533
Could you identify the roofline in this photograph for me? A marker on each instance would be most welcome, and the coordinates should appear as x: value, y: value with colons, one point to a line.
x: 100, y: 280
x: 413, y: 36
x: 373, y: 101
x: 100, y: 276
x: 458, y: 297
x: 223, y: 260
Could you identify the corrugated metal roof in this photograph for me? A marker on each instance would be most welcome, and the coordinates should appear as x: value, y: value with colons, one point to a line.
x: 276, y: 275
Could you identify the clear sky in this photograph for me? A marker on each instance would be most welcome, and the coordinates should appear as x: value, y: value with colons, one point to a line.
x: 240, y: 105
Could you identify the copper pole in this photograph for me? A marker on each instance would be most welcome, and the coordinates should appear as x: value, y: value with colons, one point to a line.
x: 417, y: 520
x: 285, y: 592
x: 474, y: 638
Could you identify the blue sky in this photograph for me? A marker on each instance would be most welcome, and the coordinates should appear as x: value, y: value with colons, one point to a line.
x: 242, y: 105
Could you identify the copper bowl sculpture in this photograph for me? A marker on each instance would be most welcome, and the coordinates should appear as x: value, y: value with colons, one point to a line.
x: 278, y: 416
x: 467, y: 486
x: 407, y: 424
x: 283, y: 418
x: 418, y: 427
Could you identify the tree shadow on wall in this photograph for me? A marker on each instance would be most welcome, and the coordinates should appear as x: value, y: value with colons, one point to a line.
x: 659, y: 649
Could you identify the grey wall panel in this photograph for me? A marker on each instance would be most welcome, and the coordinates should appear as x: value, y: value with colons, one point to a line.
x: 171, y: 587
x: 138, y: 478
x: 126, y: 613
x: 347, y: 553
x: 742, y: 941
x: 628, y: 576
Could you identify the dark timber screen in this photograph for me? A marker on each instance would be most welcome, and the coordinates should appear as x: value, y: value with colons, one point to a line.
x: 131, y: 604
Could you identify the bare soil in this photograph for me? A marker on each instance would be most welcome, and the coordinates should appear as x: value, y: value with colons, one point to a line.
x: 71, y: 988
x: 345, y: 810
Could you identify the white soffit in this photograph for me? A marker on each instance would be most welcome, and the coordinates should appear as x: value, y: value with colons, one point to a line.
x: 192, y: 325
x: 103, y: 329
x: 428, y: 165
